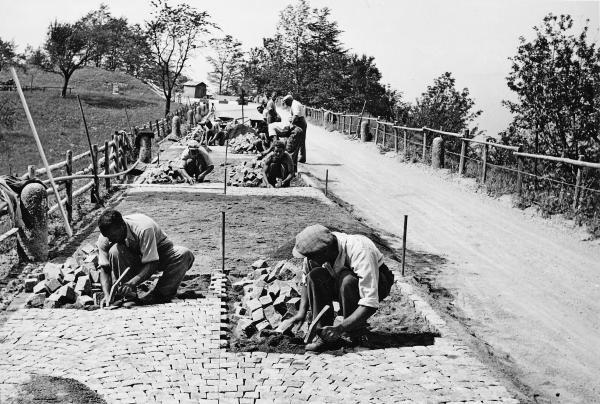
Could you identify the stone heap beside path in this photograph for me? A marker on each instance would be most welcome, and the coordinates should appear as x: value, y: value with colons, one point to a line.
x: 247, y: 174
x: 75, y: 282
x: 270, y: 295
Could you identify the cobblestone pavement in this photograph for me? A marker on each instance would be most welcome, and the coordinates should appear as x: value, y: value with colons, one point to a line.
x: 176, y: 353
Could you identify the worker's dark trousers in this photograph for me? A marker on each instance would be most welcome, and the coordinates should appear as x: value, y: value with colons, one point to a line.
x: 174, y: 262
x: 303, y: 125
x: 276, y: 170
x: 323, y: 289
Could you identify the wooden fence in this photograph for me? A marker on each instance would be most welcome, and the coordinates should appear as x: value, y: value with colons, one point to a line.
x: 111, y: 159
x: 416, y: 142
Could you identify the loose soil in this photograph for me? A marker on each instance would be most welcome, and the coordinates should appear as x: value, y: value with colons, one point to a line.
x: 395, y: 324
x: 48, y: 389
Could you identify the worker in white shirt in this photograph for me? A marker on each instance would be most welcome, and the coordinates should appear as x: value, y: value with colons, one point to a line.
x: 297, y: 117
x: 347, y: 268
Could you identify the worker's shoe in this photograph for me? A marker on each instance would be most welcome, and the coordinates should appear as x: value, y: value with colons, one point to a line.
x: 154, y: 298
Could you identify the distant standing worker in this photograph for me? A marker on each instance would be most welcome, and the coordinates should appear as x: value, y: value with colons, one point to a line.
x: 271, y: 114
x: 297, y: 118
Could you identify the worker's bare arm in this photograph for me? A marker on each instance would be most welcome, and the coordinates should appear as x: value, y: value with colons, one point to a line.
x: 106, y: 283
x: 145, y: 273
x: 352, y: 322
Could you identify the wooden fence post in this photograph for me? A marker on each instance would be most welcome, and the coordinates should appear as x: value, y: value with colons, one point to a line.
x: 463, y: 152
x: 520, y: 173
x: 577, y: 184
x: 395, y: 131
x: 385, y: 125
x: 484, y: 164
x: 117, y: 155
x: 377, y: 131
x: 31, y: 172
x: 107, y: 165
x: 95, y: 168
x: 424, y: 144
x: 69, y: 186
x: 405, y: 143
x: 157, y: 128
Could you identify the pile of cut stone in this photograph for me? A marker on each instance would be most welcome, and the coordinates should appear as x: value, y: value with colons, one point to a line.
x: 247, y: 174
x: 163, y: 173
x: 244, y: 144
x: 76, y: 282
x: 270, y: 295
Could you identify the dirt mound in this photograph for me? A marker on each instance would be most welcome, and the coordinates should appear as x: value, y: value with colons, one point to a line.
x: 48, y: 389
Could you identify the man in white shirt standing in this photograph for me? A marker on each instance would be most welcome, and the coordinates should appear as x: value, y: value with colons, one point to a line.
x: 297, y: 117
x: 343, y: 267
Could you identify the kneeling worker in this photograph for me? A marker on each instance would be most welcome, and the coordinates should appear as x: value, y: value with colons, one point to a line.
x: 194, y: 163
x: 278, y: 167
x: 137, y: 242
x: 343, y: 267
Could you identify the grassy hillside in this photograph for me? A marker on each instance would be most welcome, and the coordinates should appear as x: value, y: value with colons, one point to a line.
x: 58, y: 120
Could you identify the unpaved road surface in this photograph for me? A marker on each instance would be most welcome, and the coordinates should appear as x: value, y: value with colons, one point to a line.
x: 528, y: 288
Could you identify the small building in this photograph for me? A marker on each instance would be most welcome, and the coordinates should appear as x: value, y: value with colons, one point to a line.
x: 194, y: 90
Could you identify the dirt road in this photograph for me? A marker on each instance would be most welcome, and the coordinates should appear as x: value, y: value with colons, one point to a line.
x: 528, y: 288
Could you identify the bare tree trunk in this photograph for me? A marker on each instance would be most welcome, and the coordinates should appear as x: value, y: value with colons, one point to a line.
x: 66, y: 77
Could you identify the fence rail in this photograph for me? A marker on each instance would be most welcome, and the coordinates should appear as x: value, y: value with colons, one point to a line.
x: 113, y: 164
x: 471, y: 154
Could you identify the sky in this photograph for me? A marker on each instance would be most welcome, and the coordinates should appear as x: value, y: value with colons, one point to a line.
x: 412, y: 41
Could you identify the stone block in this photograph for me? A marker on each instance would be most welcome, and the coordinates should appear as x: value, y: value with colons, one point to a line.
x: 265, y: 300
x: 65, y: 294
x: 272, y: 316
x: 30, y: 284
x: 244, y: 328
x: 83, y: 286
x: 38, y: 275
x: 254, y: 304
x: 280, y: 305
x: 258, y: 315
x: 262, y: 325
x: 92, y: 258
x: 69, y: 278
x: 95, y: 276
x: 39, y: 287
x: 36, y: 300
x: 71, y: 262
x: 88, y: 249
x: 259, y: 264
x: 293, y: 304
x: 51, y: 302
x: 85, y: 300
x: 274, y: 289
x: 52, y: 271
x: 52, y: 285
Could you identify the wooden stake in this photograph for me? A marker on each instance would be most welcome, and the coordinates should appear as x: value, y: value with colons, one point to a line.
x: 225, y: 182
x: 92, y: 156
x: 326, y: 181
x: 404, y: 243
x: 42, y: 154
x: 223, y: 241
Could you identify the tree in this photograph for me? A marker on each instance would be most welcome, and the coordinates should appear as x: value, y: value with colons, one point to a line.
x: 173, y: 34
x: 8, y: 54
x: 226, y: 61
x: 556, y: 77
x: 69, y: 47
x: 443, y: 106
x: 293, y: 31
